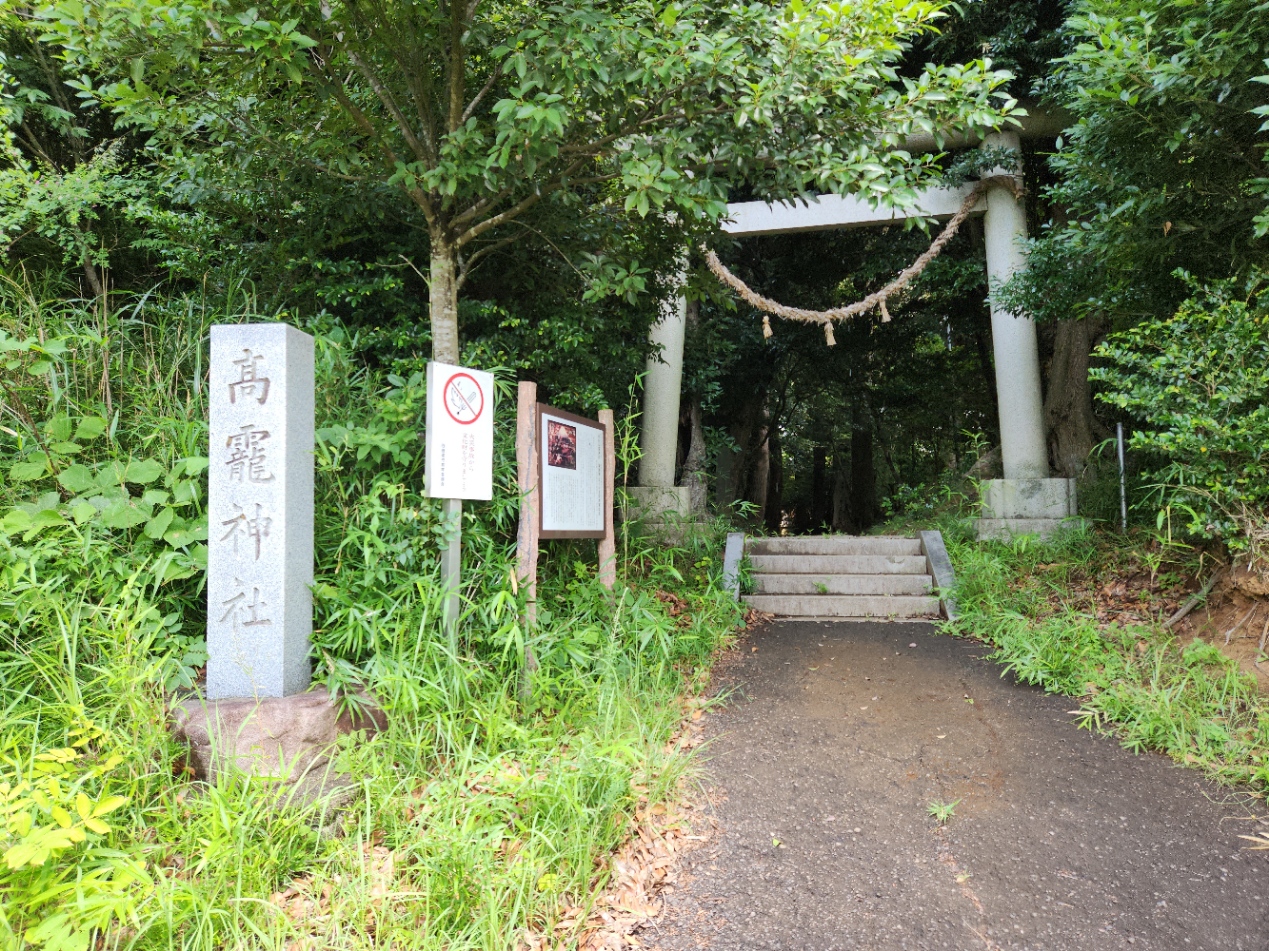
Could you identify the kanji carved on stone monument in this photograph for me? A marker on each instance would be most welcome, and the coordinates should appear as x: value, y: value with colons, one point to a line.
x: 260, y: 504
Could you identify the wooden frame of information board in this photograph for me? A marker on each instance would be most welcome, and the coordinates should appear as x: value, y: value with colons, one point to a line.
x: 542, y: 448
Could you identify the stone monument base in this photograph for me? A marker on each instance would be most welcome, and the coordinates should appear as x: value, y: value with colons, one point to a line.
x: 288, y: 740
x: 1014, y: 507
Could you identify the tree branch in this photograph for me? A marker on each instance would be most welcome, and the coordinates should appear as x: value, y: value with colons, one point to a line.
x: 466, y: 265
x: 362, y: 122
x: 457, y: 64
x: 471, y: 106
x: 389, y: 103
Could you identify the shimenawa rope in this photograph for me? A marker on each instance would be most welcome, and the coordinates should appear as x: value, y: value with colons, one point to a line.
x: 877, y: 299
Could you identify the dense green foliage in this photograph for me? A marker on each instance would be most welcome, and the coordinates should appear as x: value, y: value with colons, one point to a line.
x: 1163, y: 167
x: 478, y: 117
x: 1199, y: 380
x: 492, y: 808
x: 385, y: 173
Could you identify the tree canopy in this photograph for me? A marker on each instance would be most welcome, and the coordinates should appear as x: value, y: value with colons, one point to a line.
x: 480, y: 113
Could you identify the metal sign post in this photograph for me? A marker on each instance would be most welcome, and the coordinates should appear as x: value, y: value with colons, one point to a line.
x: 459, y: 461
x: 1123, y: 479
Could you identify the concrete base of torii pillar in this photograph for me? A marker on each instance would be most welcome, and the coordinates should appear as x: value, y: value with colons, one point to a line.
x: 1013, y: 507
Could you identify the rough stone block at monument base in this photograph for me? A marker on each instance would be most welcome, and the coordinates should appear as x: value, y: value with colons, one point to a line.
x: 285, y: 739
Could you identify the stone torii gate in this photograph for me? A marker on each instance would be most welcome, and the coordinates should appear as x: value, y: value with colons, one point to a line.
x: 1026, y: 499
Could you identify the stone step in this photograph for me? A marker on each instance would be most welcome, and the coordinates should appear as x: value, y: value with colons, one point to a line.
x: 839, y: 564
x: 834, y: 545
x: 841, y: 584
x: 828, y: 605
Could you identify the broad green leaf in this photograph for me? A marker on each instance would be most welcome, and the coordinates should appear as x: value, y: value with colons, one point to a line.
x: 59, y: 428
x: 82, y: 512
x: 181, y: 537
x: 123, y: 515
x: 77, y: 478
x: 45, y: 518
x: 90, y: 427
x: 142, y: 471
x: 27, y: 471
x: 109, y: 805
x: 110, y: 474
x: 16, y: 522
x: 159, y: 524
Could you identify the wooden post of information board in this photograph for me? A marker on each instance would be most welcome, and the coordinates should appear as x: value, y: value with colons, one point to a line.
x: 608, y: 544
x: 527, y: 540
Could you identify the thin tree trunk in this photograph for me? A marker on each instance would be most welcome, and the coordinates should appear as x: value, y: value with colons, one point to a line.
x: 819, y: 488
x: 443, y: 301
x: 725, y: 477
x: 841, y: 496
x: 774, y: 514
x: 863, y: 473
x: 744, y: 480
x: 760, y: 481
x: 694, y: 464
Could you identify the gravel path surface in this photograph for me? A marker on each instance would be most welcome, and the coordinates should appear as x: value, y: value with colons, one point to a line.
x: 837, y: 738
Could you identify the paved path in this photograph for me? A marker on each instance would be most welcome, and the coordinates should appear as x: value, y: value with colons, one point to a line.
x: 839, y: 735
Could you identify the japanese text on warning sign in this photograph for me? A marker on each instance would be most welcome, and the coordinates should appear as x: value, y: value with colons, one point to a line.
x: 459, y: 433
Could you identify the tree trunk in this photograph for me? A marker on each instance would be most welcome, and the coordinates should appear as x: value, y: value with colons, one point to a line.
x: 863, y: 473
x: 443, y: 301
x: 694, y: 464
x: 819, y: 488
x: 743, y: 478
x: 1071, y: 426
x: 759, y: 477
x: 841, y: 496
x: 774, y: 513
x: 726, y: 467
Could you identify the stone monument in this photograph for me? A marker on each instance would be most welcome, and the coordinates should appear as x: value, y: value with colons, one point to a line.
x: 259, y: 511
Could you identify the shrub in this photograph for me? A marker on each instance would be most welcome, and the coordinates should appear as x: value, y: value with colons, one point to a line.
x: 1199, y: 382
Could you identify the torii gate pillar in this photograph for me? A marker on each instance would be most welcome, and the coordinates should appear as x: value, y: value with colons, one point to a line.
x: 657, y: 496
x: 1026, y: 500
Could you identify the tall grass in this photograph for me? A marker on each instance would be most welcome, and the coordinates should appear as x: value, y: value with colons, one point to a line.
x: 475, y: 812
x: 1150, y: 688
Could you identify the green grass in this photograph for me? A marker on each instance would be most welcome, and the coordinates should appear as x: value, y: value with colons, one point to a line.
x: 1153, y: 690
x: 479, y: 812
x: 942, y: 812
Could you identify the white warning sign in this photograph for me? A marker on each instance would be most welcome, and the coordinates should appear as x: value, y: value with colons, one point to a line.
x: 459, y: 462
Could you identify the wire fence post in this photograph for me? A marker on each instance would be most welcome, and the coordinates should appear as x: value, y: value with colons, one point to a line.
x: 1123, y: 479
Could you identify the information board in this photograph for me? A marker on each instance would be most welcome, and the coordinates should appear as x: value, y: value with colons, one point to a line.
x: 571, y: 464
x: 459, y: 451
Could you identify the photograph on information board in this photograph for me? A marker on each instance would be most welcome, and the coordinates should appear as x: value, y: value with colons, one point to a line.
x: 561, y: 445
x: 572, y: 474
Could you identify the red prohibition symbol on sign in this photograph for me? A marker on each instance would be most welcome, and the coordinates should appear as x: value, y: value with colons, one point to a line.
x: 464, y: 399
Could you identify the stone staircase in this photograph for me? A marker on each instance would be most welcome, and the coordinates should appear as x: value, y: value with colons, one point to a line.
x: 845, y: 576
